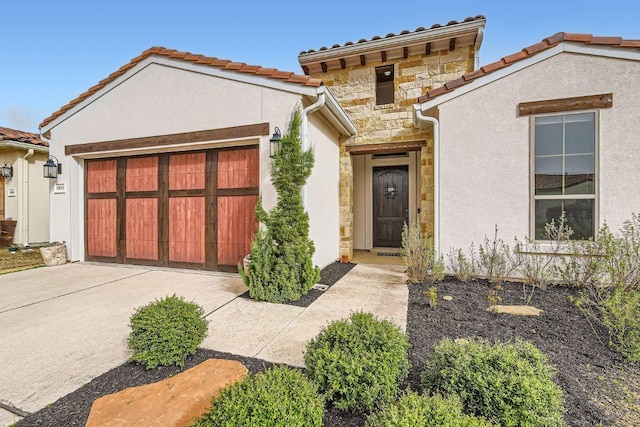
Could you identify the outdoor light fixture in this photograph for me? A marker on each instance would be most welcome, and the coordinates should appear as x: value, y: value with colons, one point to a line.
x: 7, y: 170
x: 52, y: 168
x: 274, y: 143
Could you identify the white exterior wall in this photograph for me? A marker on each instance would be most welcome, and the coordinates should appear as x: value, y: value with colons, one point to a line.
x: 161, y: 100
x: 321, y: 194
x: 485, y: 147
x: 30, y: 205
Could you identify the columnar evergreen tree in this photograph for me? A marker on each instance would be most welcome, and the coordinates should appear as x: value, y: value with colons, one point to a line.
x: 281, y: 267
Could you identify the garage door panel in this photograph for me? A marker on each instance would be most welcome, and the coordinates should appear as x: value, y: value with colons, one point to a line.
x: 186, y: 229
x: 236, y: 228
x: 101, y: 176
x: 142, y: 174
x: 101, y: 227
x: 142, y: 228
x: 238, y: 168
x: 187, y: 171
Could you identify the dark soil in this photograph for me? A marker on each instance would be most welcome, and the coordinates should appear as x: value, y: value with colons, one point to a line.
x: 598, y: 385
x: 328, y: 276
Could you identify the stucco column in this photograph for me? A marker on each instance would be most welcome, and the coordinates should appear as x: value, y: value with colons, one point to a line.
x: 346, y: 205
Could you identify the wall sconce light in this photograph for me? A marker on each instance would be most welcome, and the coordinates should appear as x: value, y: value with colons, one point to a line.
x: 274, y: 143
x: 52, y: 168
x: 7, y: 170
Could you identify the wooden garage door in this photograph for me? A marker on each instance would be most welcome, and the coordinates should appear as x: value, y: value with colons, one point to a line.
x: 191, y: 210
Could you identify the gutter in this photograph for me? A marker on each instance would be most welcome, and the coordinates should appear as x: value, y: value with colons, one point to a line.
x: 24, y: 146
x: 418, y: 119
x: 478, y: 44
x: 304, y: 134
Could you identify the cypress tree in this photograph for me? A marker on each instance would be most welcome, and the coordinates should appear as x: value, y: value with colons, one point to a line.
x: 281, y: 267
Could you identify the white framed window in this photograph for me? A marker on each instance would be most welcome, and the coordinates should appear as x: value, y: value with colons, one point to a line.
x: 564, y: 173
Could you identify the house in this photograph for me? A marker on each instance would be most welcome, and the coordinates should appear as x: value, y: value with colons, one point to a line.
x: 551, y: 128
x: 387, y: 169
x: 164, y: 160
x: 24, y: 192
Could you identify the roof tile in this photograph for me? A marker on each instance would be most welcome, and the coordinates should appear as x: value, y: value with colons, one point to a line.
x: 545, y: 44
x: 8, y: 134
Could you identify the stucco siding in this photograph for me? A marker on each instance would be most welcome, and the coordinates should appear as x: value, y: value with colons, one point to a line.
x: 322, y: 191
x: 160, y: 100
x: 485, y: 146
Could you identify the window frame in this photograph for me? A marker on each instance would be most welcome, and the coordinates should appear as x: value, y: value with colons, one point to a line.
x: 532, y: 173
x: 386, y: 85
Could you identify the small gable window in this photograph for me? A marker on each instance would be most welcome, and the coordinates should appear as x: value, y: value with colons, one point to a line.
x: 384, y: 85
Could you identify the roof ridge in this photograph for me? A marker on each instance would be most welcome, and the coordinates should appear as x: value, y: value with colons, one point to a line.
x: 223, y: 64
x: 546, y: 43
x: 389, y: 35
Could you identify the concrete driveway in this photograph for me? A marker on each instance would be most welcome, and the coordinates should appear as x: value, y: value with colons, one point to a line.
x: 60, y: 327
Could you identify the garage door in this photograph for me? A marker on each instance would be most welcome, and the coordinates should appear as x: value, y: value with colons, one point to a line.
x: 188, y: 210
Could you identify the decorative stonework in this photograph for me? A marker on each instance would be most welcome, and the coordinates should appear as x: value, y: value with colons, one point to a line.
x: 355, y: 88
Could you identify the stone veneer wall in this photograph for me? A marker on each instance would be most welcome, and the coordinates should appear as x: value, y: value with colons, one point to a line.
x: 355, y: 89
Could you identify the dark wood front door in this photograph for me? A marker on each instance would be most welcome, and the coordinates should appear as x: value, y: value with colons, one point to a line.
x: 390, y: 205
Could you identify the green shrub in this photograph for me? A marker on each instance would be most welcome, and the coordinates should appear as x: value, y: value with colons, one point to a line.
x: 464, y: 267
x: 509, y: 384
x: 621, y: 315
x: 277, y: 397
x: 358, y: 363
x: 166, y: 331
x: 413, y: 410
x: 419, y: 256
x: 281, y: 266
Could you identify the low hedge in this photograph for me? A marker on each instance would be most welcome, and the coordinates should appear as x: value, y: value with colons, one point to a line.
x: 278, y: 397
x: 166, y: 332
x: 506, y: 383
x: 358, y: 363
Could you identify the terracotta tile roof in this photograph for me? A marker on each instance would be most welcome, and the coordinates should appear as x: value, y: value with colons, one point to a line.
x: 417, y: 30
x: 7, y: 134
x: 224, y: 64
x: 549, y: 42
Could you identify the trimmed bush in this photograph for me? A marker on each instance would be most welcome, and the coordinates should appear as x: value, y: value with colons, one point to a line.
x: 419, y: 256
x: 413, y: 410
x: 166, y: 331
x: 358, y: 363
x: 277, y: 397
x: 509, y: 384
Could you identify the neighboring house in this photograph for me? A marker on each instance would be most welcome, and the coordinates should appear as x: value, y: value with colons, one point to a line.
x: 387, y: 170
x: 163, y: 160
x: 25, y: 195
x: 552, y: 128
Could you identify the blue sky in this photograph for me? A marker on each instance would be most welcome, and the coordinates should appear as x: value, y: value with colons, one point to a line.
x: 51, y: 51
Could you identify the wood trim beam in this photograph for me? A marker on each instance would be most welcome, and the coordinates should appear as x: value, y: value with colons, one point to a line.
x: 173, y: 139
x: 363, y: 60
x: 566, y: 104
x: 452, y: 44
x: 383, y: 56
x: 386, y: 148
x: 405, y: 52
x: 343, y: 63
x: 306, y: 70
x: 324, y: 67
x: 427, y: 49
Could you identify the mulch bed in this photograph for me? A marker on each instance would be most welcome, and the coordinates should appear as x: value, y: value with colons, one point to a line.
x: 328, y: 276
x: 598, y: 385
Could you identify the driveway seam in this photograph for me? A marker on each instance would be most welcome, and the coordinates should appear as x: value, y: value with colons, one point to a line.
x: 280, y: 331
x: 74, y: 292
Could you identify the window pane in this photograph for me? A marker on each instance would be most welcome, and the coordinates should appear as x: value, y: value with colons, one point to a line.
x: 546, y: 210
x: 580, y: 133
x: 579, y: 215
x: 579, y: 174
x: 548, y: 179
x: 548, y: 138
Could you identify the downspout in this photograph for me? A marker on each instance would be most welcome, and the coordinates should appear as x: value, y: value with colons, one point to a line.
x: 24, y: 197
x: 436, y: 174
x: 304, y: 134
x: 478, y: 43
